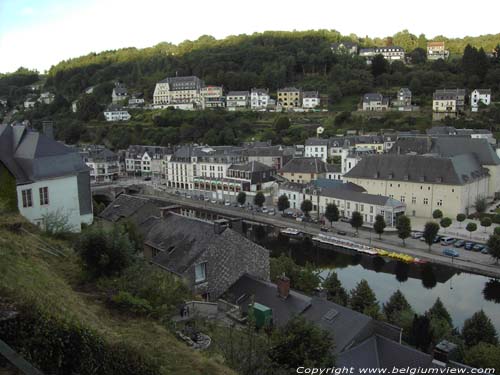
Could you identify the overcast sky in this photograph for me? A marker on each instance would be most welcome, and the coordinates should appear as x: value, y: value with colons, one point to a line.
x: 38, y: 34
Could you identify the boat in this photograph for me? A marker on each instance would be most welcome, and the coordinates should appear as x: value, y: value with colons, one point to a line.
x: 290, y: 232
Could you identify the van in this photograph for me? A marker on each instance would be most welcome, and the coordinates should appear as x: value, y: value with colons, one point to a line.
x: 446, y: 241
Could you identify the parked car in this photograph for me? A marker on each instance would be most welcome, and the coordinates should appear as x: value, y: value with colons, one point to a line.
x: 213, y: 201
x: 450, y: 252
x: 147, y: 178
x: 436, y: 239
x: 188, y: 196
x: 345, y: 219
x: 341, y: 232
x: 264, y: 210
x: 207, y: 199
x: 446, y: 241
x: 459, y: 243
x: 478, y: 247
x: 416, y: 235
x: 323, y: 229
x: 486, y: 250
x: 227, y: 203
x: 469, y: 245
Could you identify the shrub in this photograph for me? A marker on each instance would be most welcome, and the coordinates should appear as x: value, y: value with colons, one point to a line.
x: 126, y: 301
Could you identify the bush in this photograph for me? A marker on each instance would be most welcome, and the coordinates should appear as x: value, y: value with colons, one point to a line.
x: 126, y: 301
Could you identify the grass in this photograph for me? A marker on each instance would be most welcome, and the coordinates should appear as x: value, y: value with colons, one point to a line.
x: 30, y: 276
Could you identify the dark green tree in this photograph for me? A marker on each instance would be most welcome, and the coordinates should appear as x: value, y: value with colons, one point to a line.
x: 259, y: 199
x: 363, y: 299
x: 379, y: 225
x: 332, y: 213
x: 421, y: 333
x: 479, y: 328
x: 461, y: 218
x: 241, y: 198
x: 335, y: 292
x: 494, y: 246
x: 396, y: 304
x: 439, y: 311
x: 483, y: 355
x: 431, y: 230
x: 306, y: 207
x: 356, y: 220
x: 437, y: 214
x: 445, y: 222
x: 283, y: 203
x: 379, y: 65
x: 403, y: 226
x: 486, y: 223
x: 88, y: 108
x: 418, y: 56
x: 480, y: 204
x: 496, y: 231
x: 471, y: 227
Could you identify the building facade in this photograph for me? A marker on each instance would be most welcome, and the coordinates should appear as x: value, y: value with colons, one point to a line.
x: 375, y: 102
x: 115, y: 112
x: 479, y: 97
x: 103, y: 163
x: 179, y: 92
x: 237, y: 100
x: 259, y: 99
x: 290, y: 97
x: 310, y: 100
x: 212, y: 97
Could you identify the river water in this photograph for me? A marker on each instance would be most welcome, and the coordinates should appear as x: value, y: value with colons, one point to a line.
x: 462, y: 293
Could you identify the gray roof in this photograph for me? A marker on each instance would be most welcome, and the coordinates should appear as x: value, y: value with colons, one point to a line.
x: 310, y: 94
x: 252, y: 166
x: 31, y: 156
x: 267, y: 151
x: 237, y: 93
x: 483, y: 91
x: 372, y: 97
x: 345, y: 44
x: 455, y: 170
x: 130, y: 207
x: 446, y: 94
x: 337, y: 184
x: 317, y: 142
x: 304, y: 165
x: 356, y: 196
x: 289, y: 89
x: 181, y: 83
x: 260, y: 91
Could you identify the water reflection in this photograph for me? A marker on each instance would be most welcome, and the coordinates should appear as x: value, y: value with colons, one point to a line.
x: 462, y: 293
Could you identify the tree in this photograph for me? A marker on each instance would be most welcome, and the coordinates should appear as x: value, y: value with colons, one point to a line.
x: 480, y: 204
x: 363, y: 299
x: 396, y: 304
x: 259, y: 199
x: 437, y: 214
x: 483, y: 355
x: 379, y: 225
x: 421, y: 332
x: 379, y: 65
x: 335, y: 292
x: 88, y: 108
x: 332, y: 213
x: 431, y: 230
x: 301, y: 343
x: 418, y: 56
x: 281, y: 124
x: 241, y: 198
x: 104, y: 253
x: 471, y: 227
x: 306, y: 207
x: 403, y: 226
x: 461, y: 218
x: 479, y: 328
x: 356, y: 220
x: 439, y: 311
x: 445, y: 222
x: 134, y: 235
x: 494, y: 246
x: 485, y: 223
x: 283, y: 203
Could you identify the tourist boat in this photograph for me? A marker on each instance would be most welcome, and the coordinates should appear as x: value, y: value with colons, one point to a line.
x: 290, y: 232
x: 341, y: 242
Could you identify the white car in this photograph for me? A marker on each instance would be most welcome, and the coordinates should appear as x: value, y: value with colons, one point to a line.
x: 213, y: 201
x: 227, y: 203
x: 264, y: 210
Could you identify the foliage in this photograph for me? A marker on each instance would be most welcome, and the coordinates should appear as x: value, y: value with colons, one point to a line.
x: 301, y: 343
x: 363, y: 299
x: 56, y: 223
x: 104, y: 253
x: 445, y: 222
x: 306, y: 207
x: 480, y: 204
x: 283, y: 203
x: 431, y: 230
x: 335, y: 292
x: 471, y: 227
x: 494, y: 246
x: 496, y: 231
x: 403, y: 225
x: 241, y: 198
x: 439, y: 311
x: 259, y: 199
x: 395, y: 306
x: 305, y: 279
x: 8, y: 192
x: 135, y: 237
x: 486, y: 222
x: 479, y: 328
x: 379, y: 225
x: 461, y: 218
x: 491, y: 291
x: 332, y: 213
x: 88, y: 108
x: 127, y: 302
x: 483, y: 355
x: 421, y: 334
x: 437, y: 214
x: 356, y: 220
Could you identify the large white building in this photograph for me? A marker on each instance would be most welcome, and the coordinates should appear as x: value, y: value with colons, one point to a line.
x: 103, y: 163
x: 237, y: 100
x: 146, y: 161
x: 178, y: 92
x: 51, y: 180
x: 479, y: 96
x: 310, y: 99
x: 259, y: 99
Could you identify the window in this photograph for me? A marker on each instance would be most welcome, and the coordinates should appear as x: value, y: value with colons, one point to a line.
x: 413, y: 200
x: 200, y: 271
x: 440, y: 202
x: 402, y: 198
x: 426, y: 201
x: 44, y: 195
x: 27, y: 198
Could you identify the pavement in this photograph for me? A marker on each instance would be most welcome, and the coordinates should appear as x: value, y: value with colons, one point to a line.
x: 468, y: 260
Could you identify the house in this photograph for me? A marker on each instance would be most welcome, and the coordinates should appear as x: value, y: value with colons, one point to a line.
x: 119, y: 93
x: 178, y: 92
x: 317, y: 148
x: 259, y: 99
x: 48, y: 178
x: 345, y: 47
x: 129, y: 208
x: 351, y: 156
x: 403, y: 100
x: 146, y: 161
x: 103, y: 163
x: 290, y: 98
x: 304, y: 169
x: 208, y: 256
x: 136, y: 100
x: 451, y: 182
x: 310, y: 99
x: 448, y: 103
x: 30, y: 102
x: 272, y: 156
x: 436, y: 51
x: 450, y: 131
x: 391, y: 53
x: 115, y: 112
x: 375, y: 102
x: 212, y: 97
x: 46, y: 98
x: 237, y: 100
x: 479, y: 97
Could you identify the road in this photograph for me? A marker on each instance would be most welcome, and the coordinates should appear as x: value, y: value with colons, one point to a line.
x: 468, y: 261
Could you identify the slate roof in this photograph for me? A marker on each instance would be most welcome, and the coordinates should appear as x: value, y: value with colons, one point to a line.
x: 337, y: 184
x: 288, y: 89
x: 481, y: 148
x: 237, y: 93
x: 447, y: 94
x: 31, y: 156
x: 483, y: 91
x: 304, y: 165
x: 356, y: 196
x: 456, y: 170
x: 252, y: 166
x: 347, y: 45
x: 310, y: 94
x: 130, y: 207
x: 372, y: 97
x: 317, y: 142
x: 180, y: 83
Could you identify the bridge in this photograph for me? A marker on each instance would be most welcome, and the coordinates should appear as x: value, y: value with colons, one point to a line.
x: 108, y: 193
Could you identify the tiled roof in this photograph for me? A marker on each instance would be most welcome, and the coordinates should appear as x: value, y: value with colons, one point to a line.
x: 304, y: 165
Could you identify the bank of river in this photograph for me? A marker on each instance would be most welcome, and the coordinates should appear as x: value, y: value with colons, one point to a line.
x: 462, y: 293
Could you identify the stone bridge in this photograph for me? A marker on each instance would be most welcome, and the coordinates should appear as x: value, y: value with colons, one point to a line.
x: 108, y: 193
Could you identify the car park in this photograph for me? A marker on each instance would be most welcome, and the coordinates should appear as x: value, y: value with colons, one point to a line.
x: 469, y: 245
x: 450, y: 252
x: 447, y: 241
x: 436, y: 239
x: 459, y: 243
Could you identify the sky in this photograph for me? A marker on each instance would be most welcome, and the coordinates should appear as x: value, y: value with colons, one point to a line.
x: 37, y: 34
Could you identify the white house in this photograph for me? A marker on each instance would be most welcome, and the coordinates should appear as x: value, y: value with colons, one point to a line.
x: 119, y: 93
x: 259, y: 99
x: 317, y: 148
x: 46, y: 97
x: 310, y: 99
x: 30, y: 102
x: 103, y: 163
x: 479, y: 96
x: 51, y: 180
x: 136, y: 101
x: 237, y: 100
x: 116, y: 113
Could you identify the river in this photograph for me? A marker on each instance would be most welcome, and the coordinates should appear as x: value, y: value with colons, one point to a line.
x: 462, y: 293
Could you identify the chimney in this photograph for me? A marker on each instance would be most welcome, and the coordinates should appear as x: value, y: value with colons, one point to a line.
x: 283, y: 283
x: 220, y: 225
x: 444, y: 352
x: 48, y: 129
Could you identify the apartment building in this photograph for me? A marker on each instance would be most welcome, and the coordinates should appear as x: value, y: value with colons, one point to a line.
x: 290, y: 97
x: 237, y: 100
x: 259, y: 99
x: 212, y: 97
x: 310, y: 100
x: 103, y: 163
x: 178, y: 92
x: 436, y: 51
x: 146, y: 161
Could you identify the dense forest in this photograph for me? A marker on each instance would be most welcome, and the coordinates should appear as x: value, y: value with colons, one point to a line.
x: 270, y: 60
